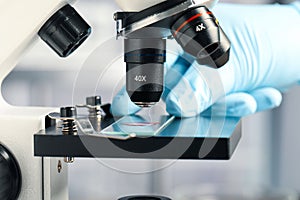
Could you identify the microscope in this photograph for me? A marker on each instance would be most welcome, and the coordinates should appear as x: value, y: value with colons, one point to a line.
x: 145, y: 33
x: 35, y: 153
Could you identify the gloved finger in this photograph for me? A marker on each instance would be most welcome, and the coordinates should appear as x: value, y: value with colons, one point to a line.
x: 243, y: 104
x: 233, y: 105
x: 122, y: 105
x: 175, y: 72
x: 190, y: 96
x: 267, y: 98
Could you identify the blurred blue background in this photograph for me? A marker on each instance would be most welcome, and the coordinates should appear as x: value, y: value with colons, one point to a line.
x: 267, y: 156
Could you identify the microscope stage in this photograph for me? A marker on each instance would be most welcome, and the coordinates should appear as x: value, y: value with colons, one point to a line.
x: 188, y: 138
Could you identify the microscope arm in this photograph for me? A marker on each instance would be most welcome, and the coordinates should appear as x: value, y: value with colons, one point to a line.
x: 55, y: 21
x: 20, y: 21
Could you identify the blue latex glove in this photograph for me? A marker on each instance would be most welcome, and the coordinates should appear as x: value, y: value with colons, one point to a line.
x: 264, y: 61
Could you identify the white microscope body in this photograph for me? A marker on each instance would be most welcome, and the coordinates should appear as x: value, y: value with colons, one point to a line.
x: 20, y: 21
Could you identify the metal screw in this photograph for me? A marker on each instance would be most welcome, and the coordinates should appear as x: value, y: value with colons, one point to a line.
x: 94, y: 105
x: 69, y: 126
x: 69, y: 160
x: 95, y: 111
x: 59, y: 166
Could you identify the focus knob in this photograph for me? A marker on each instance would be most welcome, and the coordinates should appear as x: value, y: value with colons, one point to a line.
x: 65, y: 31
x: 10, y: 175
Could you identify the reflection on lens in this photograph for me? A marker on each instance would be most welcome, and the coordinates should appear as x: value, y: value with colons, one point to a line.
x: 207, y: 51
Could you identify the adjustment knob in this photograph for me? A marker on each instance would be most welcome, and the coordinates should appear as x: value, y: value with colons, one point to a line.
x: 10, y: 175
x: 65, y: 31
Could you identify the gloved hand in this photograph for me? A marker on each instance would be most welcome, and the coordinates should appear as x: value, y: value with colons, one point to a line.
x: 264, y: 61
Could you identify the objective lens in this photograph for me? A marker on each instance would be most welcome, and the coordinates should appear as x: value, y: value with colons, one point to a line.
x: 198, y: 32
x: 145, y: 60
x: 145, y: 198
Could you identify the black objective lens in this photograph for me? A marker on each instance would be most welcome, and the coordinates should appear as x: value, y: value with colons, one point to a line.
x: 145, y: 60
x: 198, y: 32
x: 145, y: 198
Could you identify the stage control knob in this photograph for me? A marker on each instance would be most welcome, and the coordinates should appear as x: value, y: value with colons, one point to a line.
x: 10, y: 175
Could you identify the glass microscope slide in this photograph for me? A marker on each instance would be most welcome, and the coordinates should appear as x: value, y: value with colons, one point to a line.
x: 139, y: 125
